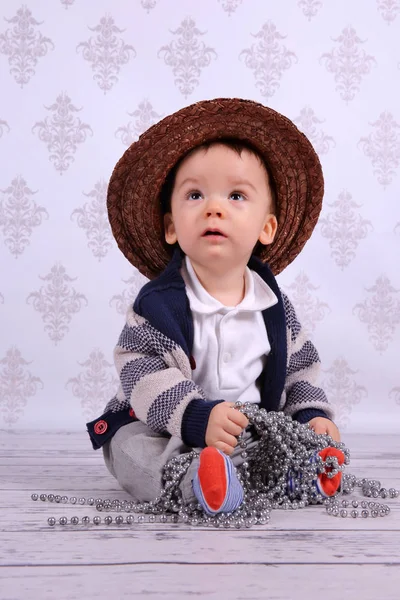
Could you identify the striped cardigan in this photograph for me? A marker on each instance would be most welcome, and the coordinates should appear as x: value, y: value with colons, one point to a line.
x: 154, y: 362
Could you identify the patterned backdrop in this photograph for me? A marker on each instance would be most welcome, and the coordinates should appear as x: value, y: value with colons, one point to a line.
x: 81, y: 79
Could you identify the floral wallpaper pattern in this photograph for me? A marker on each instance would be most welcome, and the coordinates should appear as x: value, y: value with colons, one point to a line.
x: 82, y: 81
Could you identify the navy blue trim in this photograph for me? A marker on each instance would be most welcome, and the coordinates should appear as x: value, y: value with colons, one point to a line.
x: 306, y: 414
x: 164, y: 303
x: 113, y: 420
x: 195, y: 421
x: 274, y: 376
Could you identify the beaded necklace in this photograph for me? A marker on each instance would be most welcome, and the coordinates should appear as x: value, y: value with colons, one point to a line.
x: 279, y: 472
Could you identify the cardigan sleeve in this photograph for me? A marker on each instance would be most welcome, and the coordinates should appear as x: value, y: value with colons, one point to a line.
x: 155, y: 380
x: 304, y: 398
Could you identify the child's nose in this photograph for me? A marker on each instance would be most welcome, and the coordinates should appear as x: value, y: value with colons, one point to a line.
x: 214, y: 206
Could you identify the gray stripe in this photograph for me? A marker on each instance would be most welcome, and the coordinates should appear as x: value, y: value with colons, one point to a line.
x: 145, y: 339
x: 134, y: 370
x: 165, y: 404
x: 116, y: 405
x: 292, y: 322
x: 303, y: 359
x: 304, y: 395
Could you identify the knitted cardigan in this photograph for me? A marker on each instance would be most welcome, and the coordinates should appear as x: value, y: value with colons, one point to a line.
x: 154, y: 362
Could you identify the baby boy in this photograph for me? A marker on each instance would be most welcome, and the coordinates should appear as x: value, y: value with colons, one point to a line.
x: 210, y: 203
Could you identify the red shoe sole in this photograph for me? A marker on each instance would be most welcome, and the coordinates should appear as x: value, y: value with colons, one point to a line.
x: 212, y: 477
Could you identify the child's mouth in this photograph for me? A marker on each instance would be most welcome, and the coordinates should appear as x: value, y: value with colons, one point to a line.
x: 213, y: 233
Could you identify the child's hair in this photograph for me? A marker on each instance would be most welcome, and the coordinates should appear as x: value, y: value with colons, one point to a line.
x: 234, y: 144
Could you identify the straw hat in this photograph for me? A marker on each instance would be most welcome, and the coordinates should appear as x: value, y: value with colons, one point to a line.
x: 133, y: 198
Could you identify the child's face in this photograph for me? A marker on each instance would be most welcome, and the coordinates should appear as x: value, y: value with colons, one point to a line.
x: 218, y: 189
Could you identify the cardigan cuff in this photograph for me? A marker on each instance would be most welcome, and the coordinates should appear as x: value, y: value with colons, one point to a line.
x: 305, y: 415
x: 195, y: 421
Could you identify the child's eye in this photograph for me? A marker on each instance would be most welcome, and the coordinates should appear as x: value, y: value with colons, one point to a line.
x: 237, y: 196
x: 194, y: 195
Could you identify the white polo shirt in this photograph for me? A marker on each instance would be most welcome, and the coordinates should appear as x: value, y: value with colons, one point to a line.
x: 230, y: 342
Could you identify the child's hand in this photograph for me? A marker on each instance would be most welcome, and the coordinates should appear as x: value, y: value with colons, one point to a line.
x: 224, y: 424
x: 322, y: 425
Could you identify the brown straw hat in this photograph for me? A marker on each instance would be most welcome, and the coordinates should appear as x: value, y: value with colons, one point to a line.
x: 133, y: 198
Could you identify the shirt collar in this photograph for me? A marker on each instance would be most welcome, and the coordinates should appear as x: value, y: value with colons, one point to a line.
x: 258, y: 294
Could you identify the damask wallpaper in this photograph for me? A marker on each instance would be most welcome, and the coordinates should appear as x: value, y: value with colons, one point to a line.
x: 80, y: 80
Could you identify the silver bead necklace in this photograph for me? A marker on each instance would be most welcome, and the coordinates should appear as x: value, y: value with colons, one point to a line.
x: 287, y: 451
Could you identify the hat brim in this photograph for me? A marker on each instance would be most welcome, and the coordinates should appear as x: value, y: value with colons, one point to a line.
x: 133, y: 198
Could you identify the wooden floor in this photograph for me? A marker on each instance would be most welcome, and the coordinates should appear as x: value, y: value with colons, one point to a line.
x: 295, y: 556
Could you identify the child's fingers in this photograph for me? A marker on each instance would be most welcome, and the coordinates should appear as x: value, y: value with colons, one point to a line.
x: 225, y: 448
x: 239, y: 418
x: 329, y: 428
x: 320, y: 429
x: 227, y: 438
x: 232, y: 428
x: 333, y: 431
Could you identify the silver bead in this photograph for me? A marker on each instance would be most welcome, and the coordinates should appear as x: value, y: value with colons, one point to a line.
x: 85, y: 520
x: 96, y: 520
x: 51, y: 521
x: 74, y: 520
x: 82, y: 501
x: 130, y: 519
x: 343, y: 513
x: 119, y: 520
x: 50, y: 497
x: 354, y: 514
x: 90, y: 501
x: 43, y: 497
x: 72, y: 500
x: 263, y: 519
x: 57, y: 498
x: 364, y: 514
x: 34, y: 497
x: 64, y: 499
x: 63, y: 520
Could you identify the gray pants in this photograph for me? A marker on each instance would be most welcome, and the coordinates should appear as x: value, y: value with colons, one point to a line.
x: 136, y: 455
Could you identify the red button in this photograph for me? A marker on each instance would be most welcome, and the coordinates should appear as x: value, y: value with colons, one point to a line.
x: 100, y: 427
x: 132, y: 413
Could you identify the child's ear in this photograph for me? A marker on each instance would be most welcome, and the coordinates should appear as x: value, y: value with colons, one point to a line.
x: 268, y: 232
x: 169, y: 228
